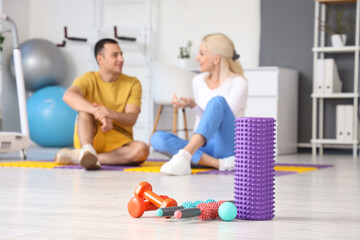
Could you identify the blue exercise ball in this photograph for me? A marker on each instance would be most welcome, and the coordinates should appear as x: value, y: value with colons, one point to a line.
x: 43, y: 64
x: 51, y: 120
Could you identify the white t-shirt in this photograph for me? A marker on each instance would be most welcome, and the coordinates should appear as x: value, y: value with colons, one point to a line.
x: 234, y: 89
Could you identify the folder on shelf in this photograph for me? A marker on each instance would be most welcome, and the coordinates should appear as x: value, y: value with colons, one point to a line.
x: 340, y: 122
x: 344, y: 123
x: 332, y: 79
x: 349, y: 122
x: 327, y: 77
x: 319, y: 76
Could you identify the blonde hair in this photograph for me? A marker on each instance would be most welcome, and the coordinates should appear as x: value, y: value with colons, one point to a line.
x: 218, y: 43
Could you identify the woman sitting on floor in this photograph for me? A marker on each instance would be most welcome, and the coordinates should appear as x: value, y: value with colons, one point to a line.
x: 220, y: 92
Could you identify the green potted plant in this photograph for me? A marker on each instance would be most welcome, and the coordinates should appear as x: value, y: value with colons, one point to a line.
x: 340, y: 22
x: 2, y: 38
x: 184, y: 55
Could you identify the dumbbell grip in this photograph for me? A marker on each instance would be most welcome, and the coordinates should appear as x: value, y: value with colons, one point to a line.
x: 149, y: 206
x: 153, y: 198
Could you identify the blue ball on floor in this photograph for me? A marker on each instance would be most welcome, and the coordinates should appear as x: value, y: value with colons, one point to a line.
x: 227, y: 211
x: 51, y: 120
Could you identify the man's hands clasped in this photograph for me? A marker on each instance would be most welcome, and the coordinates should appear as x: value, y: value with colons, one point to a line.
x: 102, y: 114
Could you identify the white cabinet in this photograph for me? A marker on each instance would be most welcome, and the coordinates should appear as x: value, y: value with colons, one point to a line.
x: 350, y: 123
x: 273, y: 92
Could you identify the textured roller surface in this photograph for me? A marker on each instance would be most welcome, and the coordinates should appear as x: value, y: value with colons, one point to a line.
x: 254, y: 168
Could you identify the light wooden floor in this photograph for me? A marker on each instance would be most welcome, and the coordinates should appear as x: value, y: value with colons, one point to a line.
x: 75, y: 204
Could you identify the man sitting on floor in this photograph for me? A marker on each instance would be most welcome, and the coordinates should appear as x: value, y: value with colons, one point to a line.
x: 108, y: 104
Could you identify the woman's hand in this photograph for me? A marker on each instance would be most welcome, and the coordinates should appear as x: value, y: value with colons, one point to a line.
x: 183, y: 103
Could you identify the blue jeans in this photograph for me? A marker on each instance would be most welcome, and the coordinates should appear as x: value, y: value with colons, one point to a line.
x: 216, y: 125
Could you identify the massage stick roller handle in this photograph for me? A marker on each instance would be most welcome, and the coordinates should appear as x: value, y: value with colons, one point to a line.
x: 167, y: 211
x: 187, y: 213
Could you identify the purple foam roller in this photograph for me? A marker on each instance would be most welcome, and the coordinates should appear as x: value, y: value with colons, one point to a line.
x: 254, y: 168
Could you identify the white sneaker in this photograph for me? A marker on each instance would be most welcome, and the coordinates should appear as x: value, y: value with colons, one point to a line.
x: 227, y: 164
x: 178, y: 165
x: 88, y: 158
x: 67, y: 156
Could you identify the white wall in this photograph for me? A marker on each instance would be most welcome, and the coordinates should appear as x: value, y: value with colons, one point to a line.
x: 174, y: 23
x: 47, y: 20
x: 183, y: 20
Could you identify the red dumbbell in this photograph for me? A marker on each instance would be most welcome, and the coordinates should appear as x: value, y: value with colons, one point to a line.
x: 137, y: 206
x: 144, y: 190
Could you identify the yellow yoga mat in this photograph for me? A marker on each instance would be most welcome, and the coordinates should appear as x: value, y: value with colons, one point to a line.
x: 155, y: 165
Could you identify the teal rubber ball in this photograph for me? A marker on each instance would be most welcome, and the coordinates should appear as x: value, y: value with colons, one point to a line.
x: 227, y: 211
